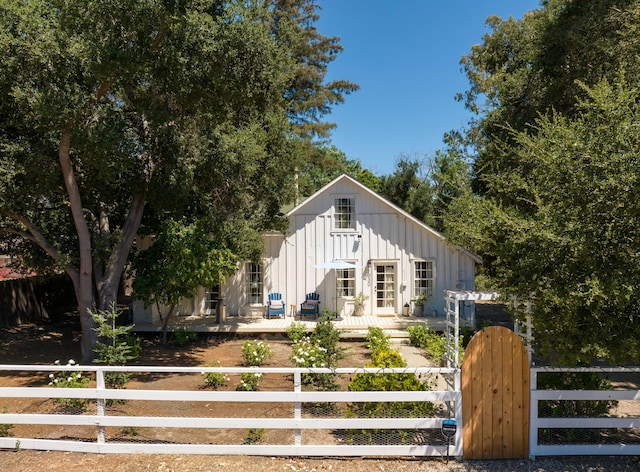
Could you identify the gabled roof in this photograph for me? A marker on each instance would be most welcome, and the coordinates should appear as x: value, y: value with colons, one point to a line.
x: 384, y: 201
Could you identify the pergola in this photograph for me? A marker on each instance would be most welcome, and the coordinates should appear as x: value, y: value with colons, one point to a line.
x: 452, y: 324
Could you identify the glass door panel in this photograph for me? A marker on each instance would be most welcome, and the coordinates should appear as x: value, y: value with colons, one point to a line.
x: 385, y: 288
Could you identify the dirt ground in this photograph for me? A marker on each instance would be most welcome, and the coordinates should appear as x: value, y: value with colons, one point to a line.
x: 44, y: 343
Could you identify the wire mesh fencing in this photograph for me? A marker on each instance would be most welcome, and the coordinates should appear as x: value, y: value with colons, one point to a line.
x: 252, y: 410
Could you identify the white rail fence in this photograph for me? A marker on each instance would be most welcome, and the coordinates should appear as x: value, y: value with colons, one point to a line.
x: 617, y: 433
x: 298, y: 421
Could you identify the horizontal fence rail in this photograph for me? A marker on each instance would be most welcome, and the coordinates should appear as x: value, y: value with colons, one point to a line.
x: 144, y: 418
x: 614, y: 431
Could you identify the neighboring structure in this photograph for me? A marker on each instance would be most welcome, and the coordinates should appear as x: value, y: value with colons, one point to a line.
x: 397, y: 258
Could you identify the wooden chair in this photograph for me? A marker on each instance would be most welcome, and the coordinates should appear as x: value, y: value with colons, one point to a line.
x: 311, y: 305
x: 275, y: 305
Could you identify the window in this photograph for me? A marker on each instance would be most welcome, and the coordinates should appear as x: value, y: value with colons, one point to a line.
x: 254, y: 283
x: 346, y: 280
x: 345, y: 213
x: 423, y: 278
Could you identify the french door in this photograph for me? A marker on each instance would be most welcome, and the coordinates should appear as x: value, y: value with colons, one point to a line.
x: 386, y: 288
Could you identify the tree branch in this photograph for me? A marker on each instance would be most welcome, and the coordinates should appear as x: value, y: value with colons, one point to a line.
x: 34, y: 234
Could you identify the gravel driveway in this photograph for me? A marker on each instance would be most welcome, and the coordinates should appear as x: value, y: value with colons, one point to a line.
x: 41, y: 461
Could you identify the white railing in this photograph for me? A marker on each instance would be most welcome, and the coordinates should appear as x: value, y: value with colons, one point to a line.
x: 100, y: 418
x: 625, y: 423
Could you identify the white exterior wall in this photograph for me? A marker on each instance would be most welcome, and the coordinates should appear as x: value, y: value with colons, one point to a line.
x: 382, y: 234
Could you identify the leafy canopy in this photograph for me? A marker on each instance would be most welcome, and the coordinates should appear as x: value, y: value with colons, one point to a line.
x: 555, y: 171
x: 116, y: 114
x: 561, y: 225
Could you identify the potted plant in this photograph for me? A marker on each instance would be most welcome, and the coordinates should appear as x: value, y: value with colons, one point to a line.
x: 358, y: 304
x: 419, y: 302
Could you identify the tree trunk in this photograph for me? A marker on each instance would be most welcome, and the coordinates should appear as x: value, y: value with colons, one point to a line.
x: 84, y: 287
x: 165, y: 324
x: 108, y: 286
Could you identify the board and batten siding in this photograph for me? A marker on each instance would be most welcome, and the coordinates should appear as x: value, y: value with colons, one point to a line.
x: 382, y: 234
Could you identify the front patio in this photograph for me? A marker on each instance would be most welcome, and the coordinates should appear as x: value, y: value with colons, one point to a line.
x: 350, y: 326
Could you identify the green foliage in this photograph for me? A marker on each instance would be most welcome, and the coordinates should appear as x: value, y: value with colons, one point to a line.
x: 254, y: 436
x: 559, y: 225
x: 574, y: 408
x: 326, y: 335
x: 249, y: 381
x: 296, y: 331
x: 325, y: 163
x: 306, y: 353
x: 181, y: 336
x: 254, y: 353
x: 152, y: 110
x: 557, y: 145
x: 70, y: 378
x: 215, y: 380
x: 5, y: 428
x: 132, y: 431
x: 389, y: 383
x: 376, y: 339
x: 319, y: 349
x: 434, y: 344
x: 384, y: 357
x: 410, y: 189
x: 182, y: 258
x: 120, y: 346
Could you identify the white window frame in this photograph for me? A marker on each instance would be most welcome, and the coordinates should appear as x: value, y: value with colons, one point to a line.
x: 254, y: 283
x: 344, y: 213
x: 346, y: 282
x: 418, y: 287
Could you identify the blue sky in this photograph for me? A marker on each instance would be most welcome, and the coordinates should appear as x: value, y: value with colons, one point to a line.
x: 405, y: 56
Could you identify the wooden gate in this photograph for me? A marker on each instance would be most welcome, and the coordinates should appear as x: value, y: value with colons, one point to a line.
x: 495, y: 396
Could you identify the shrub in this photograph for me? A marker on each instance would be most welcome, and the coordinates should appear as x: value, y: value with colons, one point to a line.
x: 320, y: 349
x: 387, y: 358
x: 249, y: 381
x: 376, y: 339
x: 70, y: 379
x: 215, y: 380
x: 254, y: 353
x: 433, y: 343
x: 296, y: 331
x: 181, y: 336
x: 326, y: 335
x: 574, y: 408
x: 5, y: 428
x: 418, y: 334
x: 120, y: 348
x: 307, y: 354
x: 254, y: 436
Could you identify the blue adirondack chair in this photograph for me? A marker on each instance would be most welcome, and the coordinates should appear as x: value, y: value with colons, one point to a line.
x: 311, y: 305
x: 275, y: 305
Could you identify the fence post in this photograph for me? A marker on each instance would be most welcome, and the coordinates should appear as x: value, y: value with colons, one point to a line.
x: 533, y: 413
x: 297, y: 407
x: 457, y: 375
x: 100, y: 385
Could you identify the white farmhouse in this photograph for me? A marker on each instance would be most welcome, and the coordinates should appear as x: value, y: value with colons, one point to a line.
x: 395, y: 259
